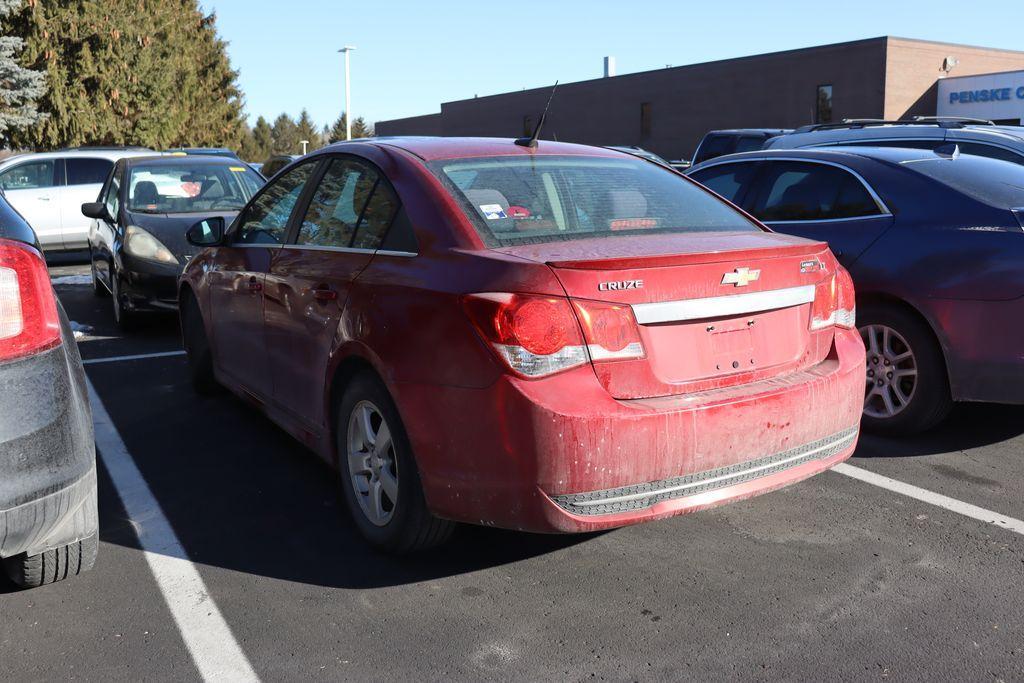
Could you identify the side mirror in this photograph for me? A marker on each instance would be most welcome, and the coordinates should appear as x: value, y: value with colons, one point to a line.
x: 208, y: 232
x: 97, y: 210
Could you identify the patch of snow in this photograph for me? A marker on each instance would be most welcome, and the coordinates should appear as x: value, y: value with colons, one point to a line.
x: 80, y: 330
x: 72, y: 280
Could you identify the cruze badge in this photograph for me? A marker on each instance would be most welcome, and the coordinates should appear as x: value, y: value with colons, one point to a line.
x: 741, y: 277
x: 621, y: 284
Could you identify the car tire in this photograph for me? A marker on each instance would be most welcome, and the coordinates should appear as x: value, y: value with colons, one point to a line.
x: 197, y: 348
x: 99, y: 290
x: 917, y: 385
x: 406, y: 524
x: 123, y: 318
x: 31, y: 571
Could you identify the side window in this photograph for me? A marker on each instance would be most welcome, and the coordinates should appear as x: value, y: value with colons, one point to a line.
x: 352, y: 207
x: 87, y: 171
x: 337, y: 204
x: 113, y: 197
x: 796, y: 191
x: 33, y: 175
x: 749, y: 143
x: 906, y: 144
x: 266, y: 219
x: 990, y: 151
x: 729, y: 180
x: 377, y: 216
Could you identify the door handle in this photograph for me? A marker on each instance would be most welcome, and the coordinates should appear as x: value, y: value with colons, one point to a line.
x: 255, y: 285
x: 325, y: 293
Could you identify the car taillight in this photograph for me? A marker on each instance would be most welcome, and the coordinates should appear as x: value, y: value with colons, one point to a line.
x: 535, y: 335
x: 28, y: 310
x: 610, y: 330
x: 835, y: 302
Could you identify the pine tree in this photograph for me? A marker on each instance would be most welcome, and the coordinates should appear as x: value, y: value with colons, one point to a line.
x: 286, y: 136
x: 306, y: 130
x: 20, y: 88
x: 337, y: 132
x: 259, y: 142
x: 360, y: 129
x: 150, y: 72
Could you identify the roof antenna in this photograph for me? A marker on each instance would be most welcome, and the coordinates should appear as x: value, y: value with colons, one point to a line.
x: 531, y: 141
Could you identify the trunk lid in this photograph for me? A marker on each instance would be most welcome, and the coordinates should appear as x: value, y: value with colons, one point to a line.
x: 714, y: 310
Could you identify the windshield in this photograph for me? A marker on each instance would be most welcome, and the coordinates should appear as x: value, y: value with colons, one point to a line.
x: 513, y: 200
x: 991, y: 181
x: 191, y: 187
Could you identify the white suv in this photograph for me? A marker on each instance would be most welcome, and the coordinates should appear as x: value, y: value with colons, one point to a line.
x: 49, y: 188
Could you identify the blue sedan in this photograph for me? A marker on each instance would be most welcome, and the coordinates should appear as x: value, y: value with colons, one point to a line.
x: 935, y: 243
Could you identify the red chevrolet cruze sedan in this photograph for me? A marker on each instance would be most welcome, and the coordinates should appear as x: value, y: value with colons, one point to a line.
x: 553, y: 338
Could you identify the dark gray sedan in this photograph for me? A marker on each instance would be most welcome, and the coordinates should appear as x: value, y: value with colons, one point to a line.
x: 48, y: 519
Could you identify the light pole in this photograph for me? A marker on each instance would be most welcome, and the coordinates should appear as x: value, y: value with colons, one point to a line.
x: 348, y: 94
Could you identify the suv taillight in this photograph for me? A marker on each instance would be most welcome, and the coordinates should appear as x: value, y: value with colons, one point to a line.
x: 835, y: 302
x: 28, y: 310
x: 534, y: 335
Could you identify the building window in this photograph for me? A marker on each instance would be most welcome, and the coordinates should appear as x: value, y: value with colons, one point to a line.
x: 645, y: 119
x: 527, y: 126
x: 823, y: 106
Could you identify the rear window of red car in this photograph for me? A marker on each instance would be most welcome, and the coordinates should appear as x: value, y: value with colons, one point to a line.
x: 518, y: 200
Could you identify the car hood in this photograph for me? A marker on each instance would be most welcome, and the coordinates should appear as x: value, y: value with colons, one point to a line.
x: 170, y: 229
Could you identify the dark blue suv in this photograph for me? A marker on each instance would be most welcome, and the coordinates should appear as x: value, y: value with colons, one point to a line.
x: 935, y: 243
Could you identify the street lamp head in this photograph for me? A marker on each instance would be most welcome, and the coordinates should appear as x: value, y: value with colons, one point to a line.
x: 346, y: 48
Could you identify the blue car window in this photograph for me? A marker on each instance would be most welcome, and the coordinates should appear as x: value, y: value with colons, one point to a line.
x: 804, y: 191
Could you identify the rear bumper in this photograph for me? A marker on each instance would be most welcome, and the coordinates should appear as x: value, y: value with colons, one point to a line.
x: 47, y: 454
x: 560, y: 455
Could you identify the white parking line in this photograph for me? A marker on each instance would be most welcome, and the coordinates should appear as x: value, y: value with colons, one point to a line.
x: 140, y: 356
x: 952, y: 504
x: 207, y: 636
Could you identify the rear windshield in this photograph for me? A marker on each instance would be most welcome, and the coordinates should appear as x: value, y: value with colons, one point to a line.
x: 993, y: 182
x: 513, y: 200
x: 191, y: 188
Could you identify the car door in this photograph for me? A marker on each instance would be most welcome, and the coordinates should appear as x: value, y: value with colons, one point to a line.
x: 33, y: 188
x: 84, y: 178
x: 820, y: 201
x: 238, y: 275
x: 103, y: 231
x: 310, y: 279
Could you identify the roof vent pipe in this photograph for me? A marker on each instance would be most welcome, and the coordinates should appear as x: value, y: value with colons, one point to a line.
x: 609, y: 66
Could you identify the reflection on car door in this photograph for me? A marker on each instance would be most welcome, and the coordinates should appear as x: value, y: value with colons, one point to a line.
x: 310, y: 279
x: 821, y: 202
x: 103, y: 232
x: 237, y: 279
x: 84, y: 180
x: 33, y: 189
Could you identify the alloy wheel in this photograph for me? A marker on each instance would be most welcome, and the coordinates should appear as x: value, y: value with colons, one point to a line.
x: 891, y: 379
x: 372, y: 464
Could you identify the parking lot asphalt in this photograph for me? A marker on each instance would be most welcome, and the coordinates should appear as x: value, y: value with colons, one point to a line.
x: 833, y: 578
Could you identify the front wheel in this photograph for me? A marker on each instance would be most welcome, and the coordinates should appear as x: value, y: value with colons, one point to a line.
x: 906, y: 385
x: 380, y: 480
x: 98, y: 288
x: 123, y: 318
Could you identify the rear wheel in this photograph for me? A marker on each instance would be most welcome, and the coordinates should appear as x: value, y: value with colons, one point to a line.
x: 907, y: 388
x: 379, y: 477
x: 197, y: 348
x: 30, y: 571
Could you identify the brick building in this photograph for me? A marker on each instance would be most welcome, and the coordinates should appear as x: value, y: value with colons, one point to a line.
x: 669, y: 110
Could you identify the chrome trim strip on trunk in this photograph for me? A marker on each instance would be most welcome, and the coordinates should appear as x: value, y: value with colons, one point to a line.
x: 640, y: 496
x: 720, y: 306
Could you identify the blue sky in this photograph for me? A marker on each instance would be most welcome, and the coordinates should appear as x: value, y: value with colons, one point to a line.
x: 411, y: 56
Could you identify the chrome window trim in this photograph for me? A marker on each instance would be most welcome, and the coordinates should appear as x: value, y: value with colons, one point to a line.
x: 719, y: 306
x: 871, y: 191
x: 348, y: 250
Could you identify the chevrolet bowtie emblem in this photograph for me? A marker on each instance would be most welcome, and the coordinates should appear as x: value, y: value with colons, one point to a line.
x: 741, y: 277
